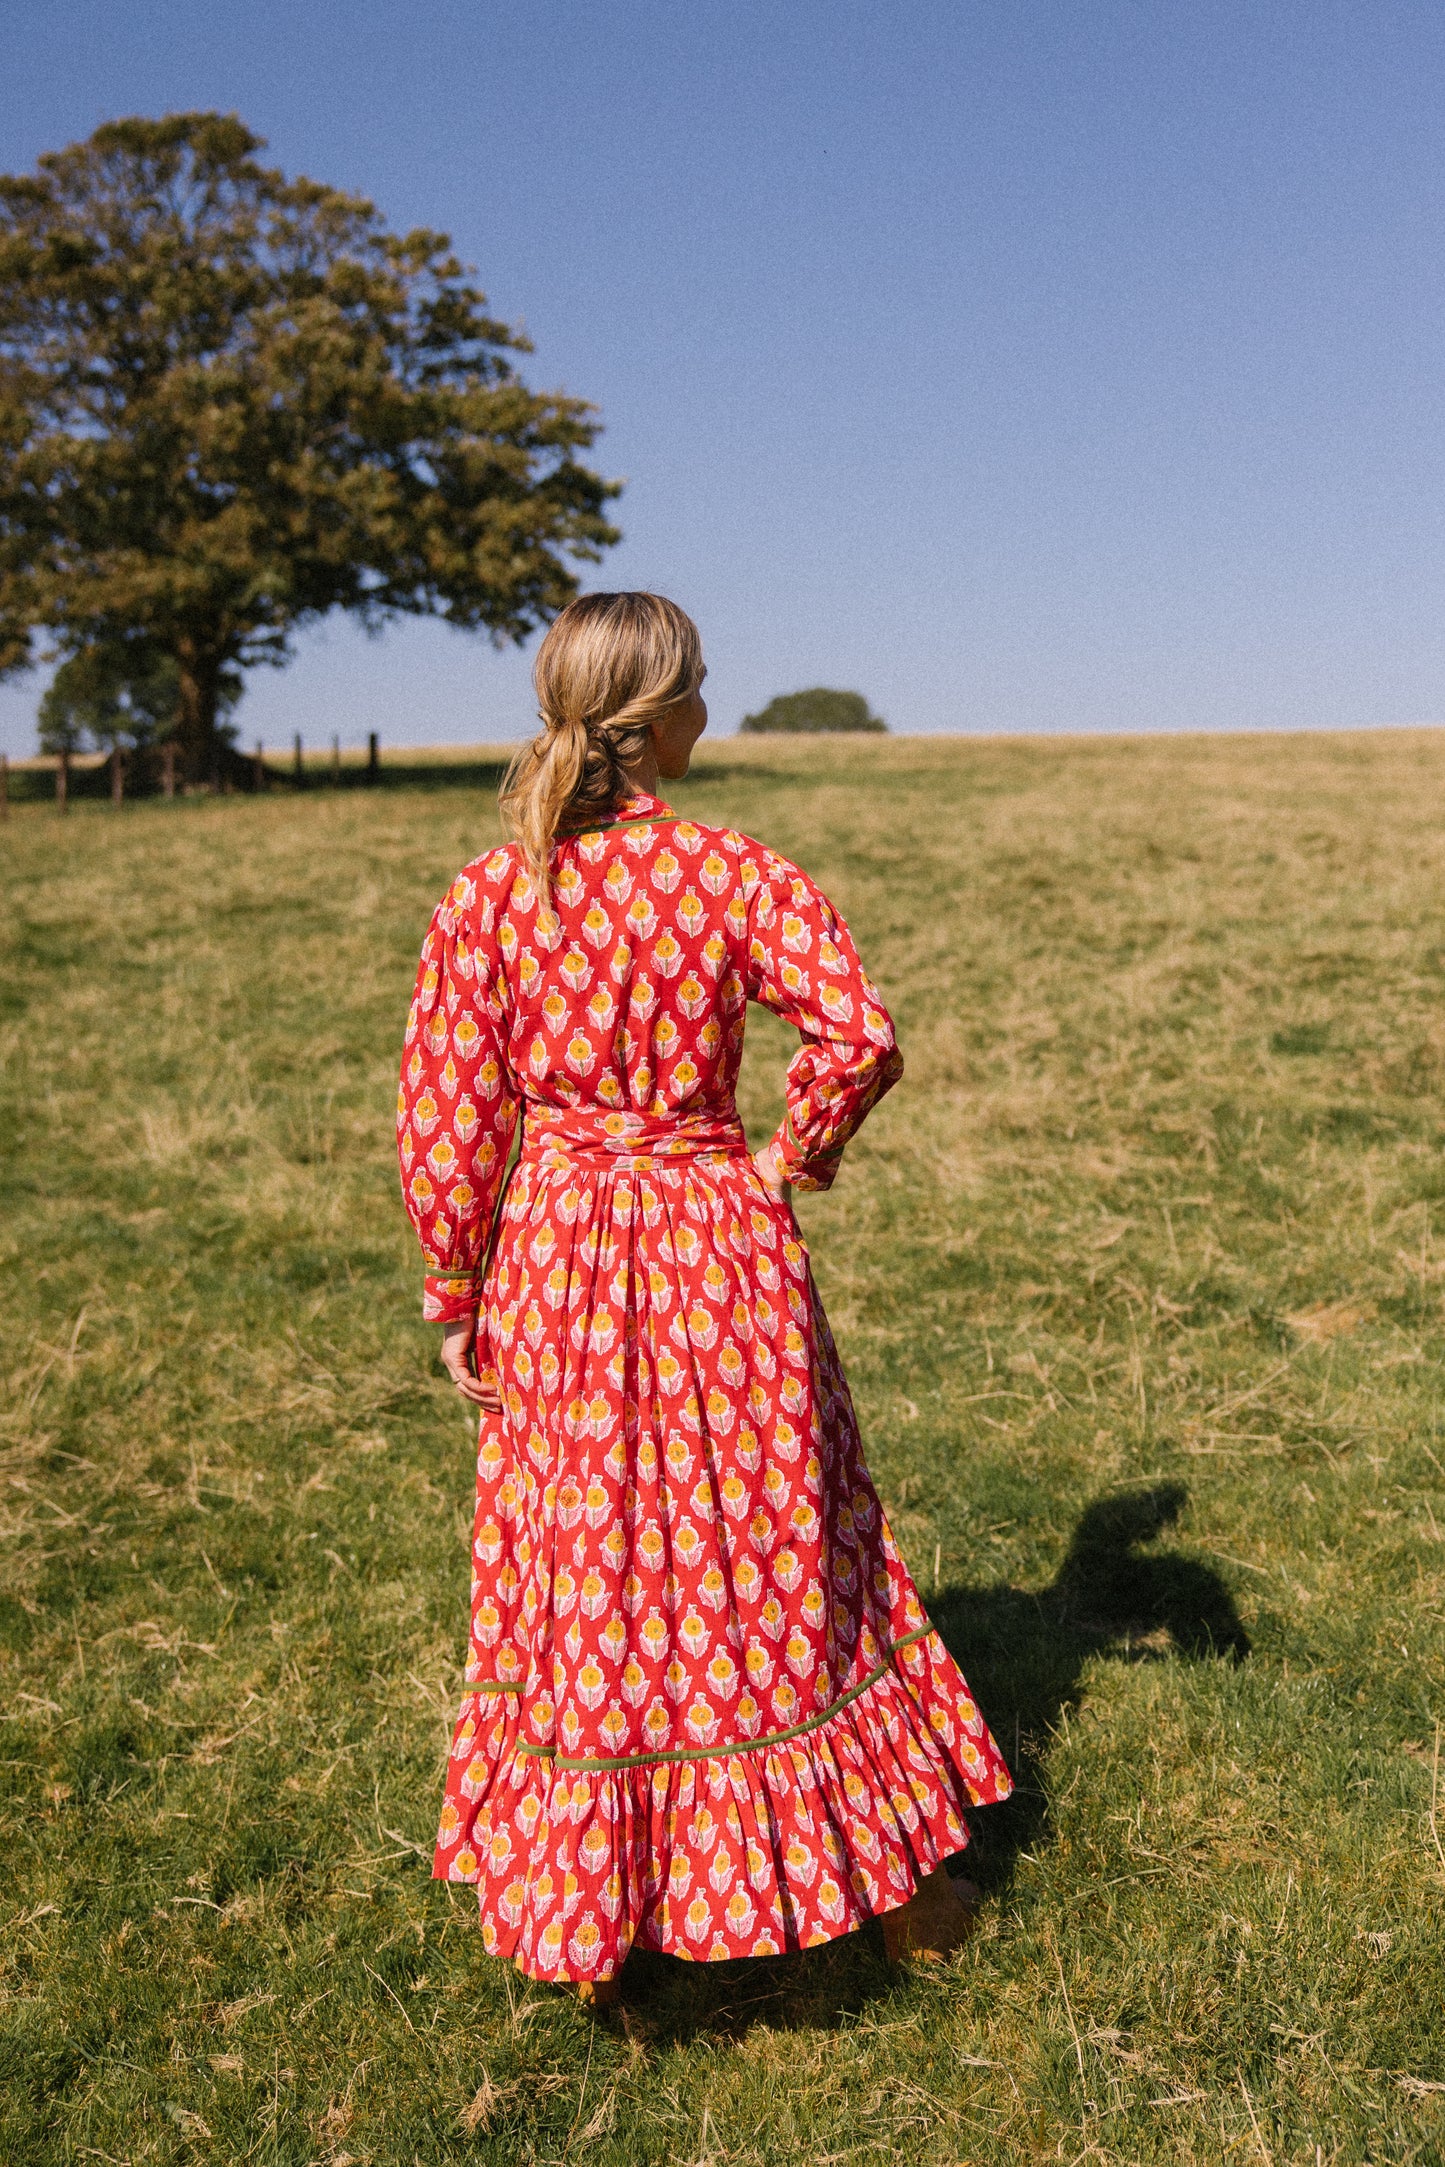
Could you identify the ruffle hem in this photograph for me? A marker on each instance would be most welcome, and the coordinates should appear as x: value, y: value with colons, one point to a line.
x: 766, y: 1846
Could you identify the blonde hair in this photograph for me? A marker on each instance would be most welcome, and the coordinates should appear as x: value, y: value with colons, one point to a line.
x: 610, y: 666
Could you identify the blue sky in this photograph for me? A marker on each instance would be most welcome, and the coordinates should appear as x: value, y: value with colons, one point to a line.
x: 1049, y: 367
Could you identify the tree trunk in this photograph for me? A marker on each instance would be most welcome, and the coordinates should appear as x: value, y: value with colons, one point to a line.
x: 200, y: 749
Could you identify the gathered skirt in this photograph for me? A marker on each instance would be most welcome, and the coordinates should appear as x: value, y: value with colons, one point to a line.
x: 704, y: 1710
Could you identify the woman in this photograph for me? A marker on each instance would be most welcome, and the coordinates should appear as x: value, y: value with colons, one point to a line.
x: 704, y: 1710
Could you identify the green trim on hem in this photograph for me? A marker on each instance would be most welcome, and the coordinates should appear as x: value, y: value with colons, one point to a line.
x: 495, y: 1685
x: 746, y: 1745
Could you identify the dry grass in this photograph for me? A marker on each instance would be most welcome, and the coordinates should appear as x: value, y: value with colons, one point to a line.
x: 1139, y: 1275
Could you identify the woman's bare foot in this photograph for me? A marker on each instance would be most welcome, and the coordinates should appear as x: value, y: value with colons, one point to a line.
x: 599, y: 1993
x: 937, y: 1920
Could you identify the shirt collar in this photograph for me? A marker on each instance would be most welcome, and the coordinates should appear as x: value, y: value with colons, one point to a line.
x: 641, y: 806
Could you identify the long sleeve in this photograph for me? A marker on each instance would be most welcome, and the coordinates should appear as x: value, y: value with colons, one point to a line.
x: 803, y: 966
x: 457, y: 1105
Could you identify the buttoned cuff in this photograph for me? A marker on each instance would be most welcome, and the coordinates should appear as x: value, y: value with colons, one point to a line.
x: 447, y: 1296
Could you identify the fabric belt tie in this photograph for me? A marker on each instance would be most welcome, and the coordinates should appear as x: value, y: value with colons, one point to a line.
x: 590, y: 1137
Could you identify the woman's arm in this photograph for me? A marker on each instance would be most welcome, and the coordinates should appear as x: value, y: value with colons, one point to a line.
x: 803, y: 966
x: 456, y: 1112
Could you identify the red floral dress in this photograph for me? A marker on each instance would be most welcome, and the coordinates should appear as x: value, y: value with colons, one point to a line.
x: 704, y: 1710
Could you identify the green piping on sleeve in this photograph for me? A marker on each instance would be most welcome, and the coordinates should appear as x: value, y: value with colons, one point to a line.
x: 723, y: 1753
x: 818, y: 1151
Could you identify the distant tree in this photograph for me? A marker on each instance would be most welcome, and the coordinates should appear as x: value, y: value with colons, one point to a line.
x: 817, y: 710
x: 232, y: 402
x: 125, y: 695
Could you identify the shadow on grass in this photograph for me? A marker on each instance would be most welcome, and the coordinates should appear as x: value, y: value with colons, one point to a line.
x: 1023, y: 1654
x: 92, y: 782
x: 395, y: 772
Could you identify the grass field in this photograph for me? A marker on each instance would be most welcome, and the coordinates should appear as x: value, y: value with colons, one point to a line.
x: 1139, y: 1276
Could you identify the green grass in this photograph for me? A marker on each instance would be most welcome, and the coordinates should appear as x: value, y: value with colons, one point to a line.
x: 1139, y: 1277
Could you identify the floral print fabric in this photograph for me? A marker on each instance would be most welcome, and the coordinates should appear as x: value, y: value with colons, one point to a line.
x: 704, y: 1709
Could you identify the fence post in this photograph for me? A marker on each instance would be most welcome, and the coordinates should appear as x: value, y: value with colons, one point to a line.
x: 336, y: 762
x: 258, y: 767
x: 373, y: 759
x: 168, y: 768
x: 4, y: 786
x: 300, y: 770
x: 62, y: 782
x: 117, y: 775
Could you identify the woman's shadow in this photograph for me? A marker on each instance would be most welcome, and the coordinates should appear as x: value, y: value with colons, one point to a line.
x: 1024, y: 1655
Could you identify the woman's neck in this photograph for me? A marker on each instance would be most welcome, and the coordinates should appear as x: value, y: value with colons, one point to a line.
x: 641, y: 774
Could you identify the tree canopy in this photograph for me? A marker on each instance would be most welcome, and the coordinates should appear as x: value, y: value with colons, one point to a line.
x: 816, y: 711
x: 232, y: 402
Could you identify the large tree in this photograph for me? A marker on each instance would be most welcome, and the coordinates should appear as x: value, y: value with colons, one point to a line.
x: 232, y: 402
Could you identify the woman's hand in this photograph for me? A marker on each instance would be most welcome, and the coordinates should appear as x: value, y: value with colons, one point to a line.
x: 771, y: 1175
x: 458, y: 1344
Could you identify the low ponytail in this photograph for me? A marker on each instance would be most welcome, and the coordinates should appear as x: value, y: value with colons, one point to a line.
x: 610, y: 666
x: 538, y: 787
